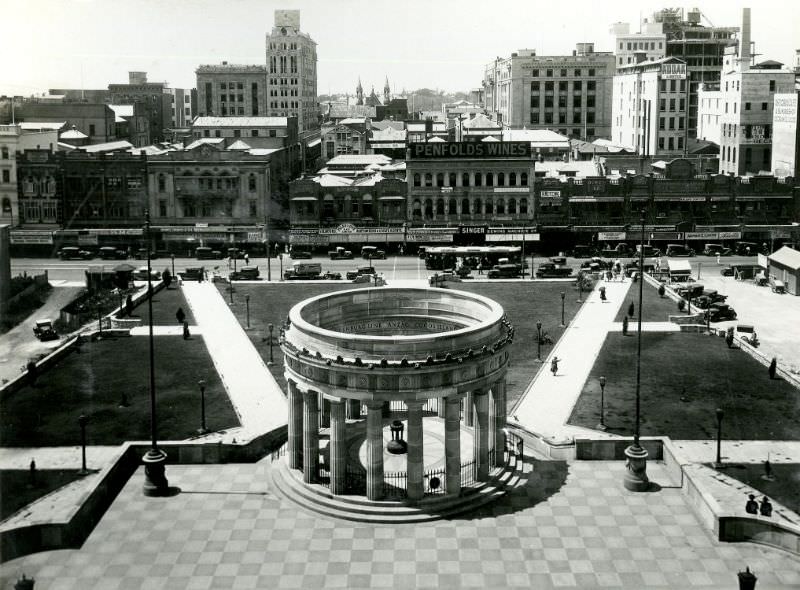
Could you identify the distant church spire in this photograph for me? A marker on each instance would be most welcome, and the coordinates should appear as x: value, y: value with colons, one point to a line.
x: 386, y: 92
x: 359, y: 93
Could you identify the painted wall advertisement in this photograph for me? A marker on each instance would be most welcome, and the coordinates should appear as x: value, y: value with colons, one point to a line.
x: 784, y: 144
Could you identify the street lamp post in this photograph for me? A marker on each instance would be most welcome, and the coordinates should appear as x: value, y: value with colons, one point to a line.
x: 602, y: 425
x: 247, y: 305
x: 202, y: 385
x: 718, y: 463
x: 100, y: 321
x: 82, y: 421
x: 280, y: 258
x: 636, y: 473
x: 155, y: 481
x: 271, y: 362
x: 562, y: 308
x: 172, y: 257
x: 230, y: 289
x: 580, y: 286
x: 538, y: 340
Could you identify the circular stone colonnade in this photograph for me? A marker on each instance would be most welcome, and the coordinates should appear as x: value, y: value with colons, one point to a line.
x: 380, y: 348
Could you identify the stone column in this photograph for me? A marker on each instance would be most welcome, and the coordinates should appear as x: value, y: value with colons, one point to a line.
x: 338, y: 447
x: 324, y: 412
x: 415, y: 459
x: 295, y: 442
x: 452, y: 444
x: 354, y: 409
x: 480, y: 434
x: 468, y: 403
x: 310, y: 436
x: 499, y: 404
x: 374, y: 450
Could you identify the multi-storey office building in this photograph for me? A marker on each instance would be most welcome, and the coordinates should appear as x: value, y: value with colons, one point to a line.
x: 650, y: 41
x: 184, y: 106
x: 292, y: 71
x: 567, y: 93
x: 231, y: 90
x: 747, y: 97
x: 650, y: 107
x: 155, y: 97
x: 452, y: 183
x: 40, y: 207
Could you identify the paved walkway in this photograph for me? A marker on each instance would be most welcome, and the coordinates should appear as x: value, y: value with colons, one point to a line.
x: 546, y: 405
x: 568, y: 525
x: 166, y: 331
x: 256, y: 397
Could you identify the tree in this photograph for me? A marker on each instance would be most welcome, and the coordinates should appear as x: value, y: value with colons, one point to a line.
x: 729, y: 338
x: 625, y: 325
x: 129, y: 305
x: 681, y: 304
x: 631, y: 309
x: 661, y: 290
x: 773, y: 368
x: 166, y: 276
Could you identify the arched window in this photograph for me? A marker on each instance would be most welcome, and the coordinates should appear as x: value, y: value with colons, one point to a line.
x: 439, y: 206
x: 501, y: 179
x: 428, y: 179
x: 477, y: 179
x: 489, y: 179
x: 523, y: 206
x: 6, y: 205
x: 489, y: 209
x: 501, y: 207
x: 465, y: 179
x: 452, y: 179
x: 512, y: 179
x: 416, y: 209
x: 251, y: 183
x: 465, y: 206
x: 428, y: 209
x: 452, y: 206
x: 512, y: 206
x: 440, y: 179
x: 416, y: 180
x: 477, y: 208
x: 523, y: 179
x: 162, y: 183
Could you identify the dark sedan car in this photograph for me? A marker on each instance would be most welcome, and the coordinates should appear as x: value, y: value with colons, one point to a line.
x: 299, y: 254
x: 726, y: 271
x: 719, y: 312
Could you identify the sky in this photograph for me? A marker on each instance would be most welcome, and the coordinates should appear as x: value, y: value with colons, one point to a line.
x: 439, y: 44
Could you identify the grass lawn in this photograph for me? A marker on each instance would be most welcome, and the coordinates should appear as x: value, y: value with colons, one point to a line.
x: 785, y: 487
x: 16, y: 489
x: 165, y: 303
x: 684, y: 378
x: 92, y: 381
x: 654, y: 308
x: 524, y: 303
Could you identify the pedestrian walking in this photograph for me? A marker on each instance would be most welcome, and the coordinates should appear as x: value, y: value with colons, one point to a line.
x: 718, y: 262
x: 246, y: 258
x: 554, y: 365
x: 186, y: 334
x: 603, y: 294
x: 766, y: 507
x: 180, y: 315
x: 752, y: 506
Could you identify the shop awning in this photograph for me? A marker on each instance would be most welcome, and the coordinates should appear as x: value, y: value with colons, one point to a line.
x: 304, y: 198
x: 392, y: 198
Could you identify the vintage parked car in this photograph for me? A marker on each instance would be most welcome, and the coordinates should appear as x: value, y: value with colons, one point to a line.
x: 719, y: 312
x: 340, y: 254
x: 694, y: 290
x: 505, y: 271
x: 675, y: 250
x: 372, y: 253
x: 195, y: 273
x: 44, y: 330
x: 206, y: 253
x: 717, y: 250
x: 140, y: 274
x: 236, y: 254
x: 331, y: 276
x: 246, y: 273
x: 777, y: 285
x: 299, y: 254
x: 74, y: 253
x: 582, y: 251
x: 353, y: 275
x: 548, y: 270
x: 726, y: 271
x: 111, y: 253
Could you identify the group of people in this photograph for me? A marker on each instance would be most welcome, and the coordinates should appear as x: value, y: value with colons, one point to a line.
x: 752, y: 506
x: 616, y: 272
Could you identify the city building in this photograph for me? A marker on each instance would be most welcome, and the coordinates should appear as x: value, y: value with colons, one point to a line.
x: 748, y: 93
x: 231, y: 90
x: 184, y: 106
x: 388, y: 141
x: 650, y: 107
x: 155, y: 96
x: 683, y: 36
x: 292, y: 71
x: 96, y: 121
x: 649, y: 41
x: 13, y: 210
x: 709, y: 111
x: 348, y: 136
x: 264, y: 132
x: 131, y: 122
x: 452, y: 183
x: 567, y: 93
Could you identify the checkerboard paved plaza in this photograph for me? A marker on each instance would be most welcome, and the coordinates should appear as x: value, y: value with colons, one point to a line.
x: 571, y: 525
